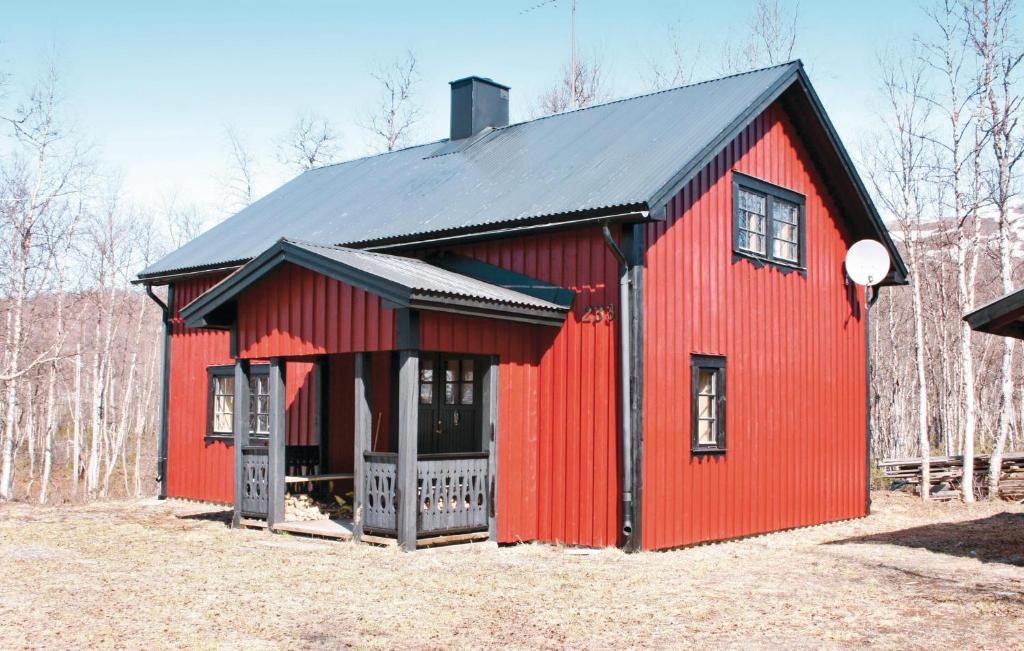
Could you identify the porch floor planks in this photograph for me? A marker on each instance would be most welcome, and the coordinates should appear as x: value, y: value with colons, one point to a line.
x: 339, y: 529
x: 342, y: 530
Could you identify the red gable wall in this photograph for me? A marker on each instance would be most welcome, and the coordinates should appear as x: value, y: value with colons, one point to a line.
x: 196, y: 469
x: 795, y: 351
x: 290, y: 313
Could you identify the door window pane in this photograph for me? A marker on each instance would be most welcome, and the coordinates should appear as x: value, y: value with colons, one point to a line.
x: 426, y: 393
x: 259, y: 405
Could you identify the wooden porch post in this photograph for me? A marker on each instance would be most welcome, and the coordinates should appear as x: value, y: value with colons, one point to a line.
x: 240, y: 424
x: 408, y: 336
x: 489, y: 418
x: 363, y: 424
x: 276, y: 452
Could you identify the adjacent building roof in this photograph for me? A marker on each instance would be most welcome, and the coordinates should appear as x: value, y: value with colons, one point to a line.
x: 400, y: 281
x: 1003, y: 316
x: 624, y: 158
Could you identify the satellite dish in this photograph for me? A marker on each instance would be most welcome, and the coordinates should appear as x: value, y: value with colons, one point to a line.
x: 867, y: 263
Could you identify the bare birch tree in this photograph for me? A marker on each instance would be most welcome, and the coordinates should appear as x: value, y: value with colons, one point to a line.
x: 240, y: 183
x: 312, y: 141
x: 989, y: 25
x: 946, y: 56
x: 770, y: 39
x: 396, y: 111
x: 899, y: 178
x: 678, y: 67
x: 35, y: 182
x: 587, y: 87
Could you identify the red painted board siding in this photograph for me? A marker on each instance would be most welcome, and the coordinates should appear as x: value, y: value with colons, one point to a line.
x: 196, y: 469
x: 295, y: 312
x: 558, y: 477
x: 341, y: 404
x: 795, y: 359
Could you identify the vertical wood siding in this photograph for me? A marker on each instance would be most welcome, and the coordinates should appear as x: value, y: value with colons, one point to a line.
x: 557, y: 450
x: 296, y: 312
x: 196, y: 469
x: 341, y: 404
x: 795, y: 359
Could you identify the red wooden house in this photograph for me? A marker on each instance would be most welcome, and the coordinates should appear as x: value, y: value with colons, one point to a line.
x: 533, y: 331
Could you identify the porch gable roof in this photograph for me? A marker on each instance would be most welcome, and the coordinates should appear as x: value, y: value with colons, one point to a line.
x: 399, y: 281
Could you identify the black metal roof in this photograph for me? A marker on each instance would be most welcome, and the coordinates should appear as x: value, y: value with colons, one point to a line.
x: 628, y: 156
x: 1003, y: 316
x: 400, y: 281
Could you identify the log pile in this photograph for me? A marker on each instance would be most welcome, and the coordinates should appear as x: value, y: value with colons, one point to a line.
x: 302, y: 508
x: 947, y: 475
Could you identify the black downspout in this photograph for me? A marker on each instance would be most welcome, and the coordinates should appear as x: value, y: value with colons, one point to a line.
x: 165, y: 387
x: 633, y: 243
x: 867, y: 385
x: 626, y: 367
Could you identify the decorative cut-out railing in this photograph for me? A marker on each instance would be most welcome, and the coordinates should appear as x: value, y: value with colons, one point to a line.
x: 452, y: 493
x: 255, y: 489
x: 379, y: 508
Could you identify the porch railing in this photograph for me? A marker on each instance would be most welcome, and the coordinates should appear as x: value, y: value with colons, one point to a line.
x: 255, y: 482
x: 452, y: 493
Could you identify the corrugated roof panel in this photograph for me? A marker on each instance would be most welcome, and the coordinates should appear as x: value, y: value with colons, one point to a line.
x: 420, y: 276
x: 614, y: 154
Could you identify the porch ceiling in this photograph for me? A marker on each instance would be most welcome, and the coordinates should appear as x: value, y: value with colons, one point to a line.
x: 399, y: 281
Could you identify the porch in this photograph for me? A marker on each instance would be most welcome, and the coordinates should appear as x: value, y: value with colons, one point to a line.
x: 418, y: 426
x: 452, y: 484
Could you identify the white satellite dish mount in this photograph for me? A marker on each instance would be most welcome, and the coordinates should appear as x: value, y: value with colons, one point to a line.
x: 867, y: 263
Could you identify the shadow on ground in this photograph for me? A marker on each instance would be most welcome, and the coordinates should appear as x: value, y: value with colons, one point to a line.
x: 224, y: 517
x: 996, y: 539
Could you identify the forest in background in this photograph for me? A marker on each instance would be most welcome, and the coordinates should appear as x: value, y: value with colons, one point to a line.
x: 80, y: 345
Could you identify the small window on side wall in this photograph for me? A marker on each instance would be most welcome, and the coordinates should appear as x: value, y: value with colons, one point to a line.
x: 707, y: 402
x: 768, y: 222
x: 220, y: 410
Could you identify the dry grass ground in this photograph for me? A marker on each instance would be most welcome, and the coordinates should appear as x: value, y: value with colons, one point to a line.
x: 155, y: 575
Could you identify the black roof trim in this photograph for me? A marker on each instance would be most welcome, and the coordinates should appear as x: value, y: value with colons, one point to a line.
x: 660, y: 199
x: 685, y: 175
x: 899, y: 273
x: 215, y: 307
x: 628, y: 212
x: 1002, y: 316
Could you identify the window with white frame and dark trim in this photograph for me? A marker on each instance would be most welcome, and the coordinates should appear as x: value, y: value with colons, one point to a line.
x: 768, y: 222
x: 220, y: 412
x: 707, y: 403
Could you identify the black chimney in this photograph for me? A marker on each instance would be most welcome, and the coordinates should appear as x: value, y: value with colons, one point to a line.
x: 477, y: 103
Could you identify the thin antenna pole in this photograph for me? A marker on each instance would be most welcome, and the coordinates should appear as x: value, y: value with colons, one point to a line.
x: 572, y: 58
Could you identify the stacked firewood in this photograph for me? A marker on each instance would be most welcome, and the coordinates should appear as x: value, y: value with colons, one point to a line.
x: 302, y: 508
x: 946, y: 475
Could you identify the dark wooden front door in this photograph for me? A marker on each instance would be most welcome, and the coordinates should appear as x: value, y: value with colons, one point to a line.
x: 449, y: 397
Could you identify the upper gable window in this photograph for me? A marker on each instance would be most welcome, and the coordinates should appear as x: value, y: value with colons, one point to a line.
x: 768, y: 222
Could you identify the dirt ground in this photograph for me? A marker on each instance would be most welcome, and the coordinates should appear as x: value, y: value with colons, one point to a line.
x: 149, y: 574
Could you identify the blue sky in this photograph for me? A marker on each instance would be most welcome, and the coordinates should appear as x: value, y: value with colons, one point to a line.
x: 152, y: 85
